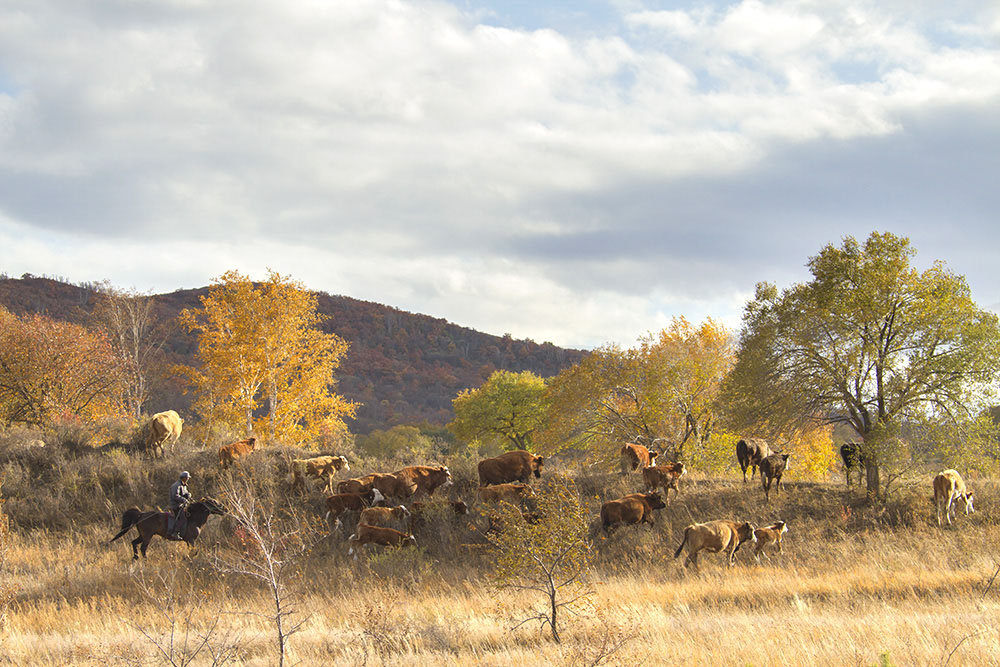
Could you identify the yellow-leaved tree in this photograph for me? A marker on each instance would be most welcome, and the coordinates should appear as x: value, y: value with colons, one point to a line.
x: 264, y: 363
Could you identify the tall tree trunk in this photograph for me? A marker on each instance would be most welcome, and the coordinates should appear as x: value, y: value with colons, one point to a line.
x: 872, y: 478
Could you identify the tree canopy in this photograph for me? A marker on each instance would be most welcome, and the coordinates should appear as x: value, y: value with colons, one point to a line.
x: 264, y: 361
x: 507, y: 409
x: 868, y: 341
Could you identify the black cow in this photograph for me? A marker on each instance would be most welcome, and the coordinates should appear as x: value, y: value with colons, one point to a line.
x: 771, y: 469
x: 853, y: 454
x: 750, y: 452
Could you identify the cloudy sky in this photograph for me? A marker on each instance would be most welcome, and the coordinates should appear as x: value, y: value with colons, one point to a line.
x: 575, y: 172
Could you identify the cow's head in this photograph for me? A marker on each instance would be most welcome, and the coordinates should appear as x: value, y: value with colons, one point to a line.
x: 252, y: 442
x: 446, y: 474
x: 746, y: 532
x: 401, y: 510
x: 410, y: 541
x: 460, y: 507
x: 536, y: 465
x: 655, y: 500
x: 967, y: 497
x: 340, y: 463
x: 652, y: 458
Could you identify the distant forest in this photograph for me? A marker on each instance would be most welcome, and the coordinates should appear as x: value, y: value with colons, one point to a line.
x: 403, y: 368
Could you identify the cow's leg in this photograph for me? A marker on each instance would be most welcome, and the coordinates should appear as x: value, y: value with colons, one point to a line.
x: 950, y: 509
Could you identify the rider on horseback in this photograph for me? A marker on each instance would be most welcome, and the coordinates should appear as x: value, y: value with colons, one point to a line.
x: 179, y: 498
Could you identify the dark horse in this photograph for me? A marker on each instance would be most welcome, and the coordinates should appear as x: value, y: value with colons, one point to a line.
x: 155, y: 523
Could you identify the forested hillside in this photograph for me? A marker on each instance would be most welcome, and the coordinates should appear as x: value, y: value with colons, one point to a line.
x: 403, y: 367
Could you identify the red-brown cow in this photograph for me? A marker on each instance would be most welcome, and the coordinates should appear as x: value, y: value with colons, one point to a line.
x: 388, y: 537
x: 421, y: 480
x: 386, y: 517
x: 665, y: 477
x: 633, y: 508
x: 636, y: 457
x: 516, y: 466
x: 510, y: 493
x: 229, y: 454
x: 339, y: 503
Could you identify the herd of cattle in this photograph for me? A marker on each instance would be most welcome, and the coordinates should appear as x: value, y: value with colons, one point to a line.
x: 506, y: 478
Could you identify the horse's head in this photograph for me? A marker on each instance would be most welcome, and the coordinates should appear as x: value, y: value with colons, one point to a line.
x: 213, y: 506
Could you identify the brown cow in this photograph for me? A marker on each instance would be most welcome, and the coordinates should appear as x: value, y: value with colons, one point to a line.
x: 769, y: 535
x: 339, y: 503
x: 320, y: 468
x: 633, y: 508
x: 636, y: 457
x: 385, y: 516
x: 376, y: 535
x: 228, y: 454
x: 163, y: 427
x: 713, y: 537
x: 664, y: 476
x: 949, y: 487
x: 516, y: 466
x: 771, y: 469
x: 750, y: 452
x: 510, y: 493
x: 424, y: 479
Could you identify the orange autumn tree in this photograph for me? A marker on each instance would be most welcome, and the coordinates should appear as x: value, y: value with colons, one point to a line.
x: 661, y: 394
x: 264, y: 363
x: 50, y: 368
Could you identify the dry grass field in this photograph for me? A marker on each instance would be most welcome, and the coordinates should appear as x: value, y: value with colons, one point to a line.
x: 854, y: 587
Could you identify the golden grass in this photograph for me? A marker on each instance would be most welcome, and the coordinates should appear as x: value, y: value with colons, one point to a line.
x: 847, y: 599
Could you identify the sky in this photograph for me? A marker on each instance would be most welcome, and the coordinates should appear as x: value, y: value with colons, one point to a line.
x: 573, y: 172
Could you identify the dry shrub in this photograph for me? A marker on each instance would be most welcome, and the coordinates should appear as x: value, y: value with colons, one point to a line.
x: 400, y: 564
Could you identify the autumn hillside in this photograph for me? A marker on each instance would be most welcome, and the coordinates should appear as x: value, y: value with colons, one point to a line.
x: 403, y: 367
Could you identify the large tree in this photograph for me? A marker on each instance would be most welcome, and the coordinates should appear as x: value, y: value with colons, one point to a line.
x: 660, y: 394
x: 507, y: 409
x: 868, y: 341
x: 264, y: 361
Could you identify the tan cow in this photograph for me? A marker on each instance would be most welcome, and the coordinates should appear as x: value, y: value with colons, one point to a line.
x: 386, y: 517
x: 949, y: 487
x: 516, y: 466
x: 229, y: 454
x: 377, y: 535
x: 424, y: 480
x: 318, y: 467
x: 713, y: 537
x: 633, y: 508
x: 636, y: 457
x: 665, y: 477
x: 769, y: 535
x: 163, y: 427
x: 508, y: 493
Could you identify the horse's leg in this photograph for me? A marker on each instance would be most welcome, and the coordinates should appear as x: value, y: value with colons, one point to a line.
x: 135, y: 544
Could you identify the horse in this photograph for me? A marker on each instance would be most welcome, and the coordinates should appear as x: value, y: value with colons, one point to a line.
x: 155, y: 523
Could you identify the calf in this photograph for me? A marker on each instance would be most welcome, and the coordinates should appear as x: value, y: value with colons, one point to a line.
x: 510, y: 493
x: 633, y: 508
x: 388, y: 537
x: 636, y: 457
x: 663, y: 476
x: 339, y: 503
x: 750, y: 452
x: 769, y: 535
x: 771, y: 469
x: 713, y: 537
x: 385, y: 516
x: 853, y: 455
x: 320, y: 468
x: 229, y: 454
x: 949, y: 487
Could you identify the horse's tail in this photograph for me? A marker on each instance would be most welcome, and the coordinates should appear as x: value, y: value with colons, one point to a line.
x: 129, y: 519
x: 683, y: 542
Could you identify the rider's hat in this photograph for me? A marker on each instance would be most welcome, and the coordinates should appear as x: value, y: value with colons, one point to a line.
x: 185, y: 474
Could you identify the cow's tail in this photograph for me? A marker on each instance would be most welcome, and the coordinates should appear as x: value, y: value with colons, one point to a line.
x: 129, y: 519
x: 683, y: 542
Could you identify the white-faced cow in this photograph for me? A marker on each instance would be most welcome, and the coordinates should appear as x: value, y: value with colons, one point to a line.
x: 750, y: 452
x: 713, y: 537
x: 769, y: 535
x: 948, y: 488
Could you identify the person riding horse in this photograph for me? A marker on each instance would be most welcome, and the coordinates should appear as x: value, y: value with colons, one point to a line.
x: 179, y: 498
